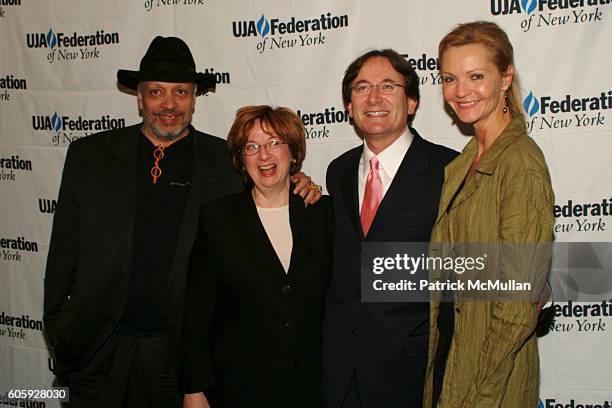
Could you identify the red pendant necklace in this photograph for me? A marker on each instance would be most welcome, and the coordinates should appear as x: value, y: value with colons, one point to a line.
x: 156, y: 171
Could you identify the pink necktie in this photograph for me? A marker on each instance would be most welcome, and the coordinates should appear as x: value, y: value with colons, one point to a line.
x: 372, y: 196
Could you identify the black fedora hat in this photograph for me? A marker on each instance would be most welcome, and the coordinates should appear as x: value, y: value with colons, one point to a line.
x: 168, y: 59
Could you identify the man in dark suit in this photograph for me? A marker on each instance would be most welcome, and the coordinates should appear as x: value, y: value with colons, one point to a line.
x: 375, y: 354
x: 125, y: 222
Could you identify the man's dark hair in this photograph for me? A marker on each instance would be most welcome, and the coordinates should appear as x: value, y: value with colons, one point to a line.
x: 403, y: 67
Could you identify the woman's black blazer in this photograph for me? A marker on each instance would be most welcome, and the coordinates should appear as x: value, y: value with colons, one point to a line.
x: 252, y: 333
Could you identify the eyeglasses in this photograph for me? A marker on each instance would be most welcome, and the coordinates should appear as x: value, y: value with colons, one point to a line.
x: 386, y: 87
x: 271, y: 145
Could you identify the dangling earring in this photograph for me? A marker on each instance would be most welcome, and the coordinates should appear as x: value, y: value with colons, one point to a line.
x: 506, y: 102
x: 293, y: 161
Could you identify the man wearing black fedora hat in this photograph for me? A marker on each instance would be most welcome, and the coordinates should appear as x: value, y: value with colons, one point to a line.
x: 122, y: 233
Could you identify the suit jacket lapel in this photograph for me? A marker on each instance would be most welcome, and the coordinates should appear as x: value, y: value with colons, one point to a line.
x: 204, y: 182
x: 122, y: 175
x: 454, y: 175
x: 255, y: 237
x: 350, y: 195
x: 299, y: 231
x: 259, y: 245
x: 406, y: 187
x: 456, y: 172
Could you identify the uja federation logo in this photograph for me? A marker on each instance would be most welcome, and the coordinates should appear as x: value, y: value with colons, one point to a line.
x: 513, y: 6
x: 569, y: 111
x: 12, y: 249
x: 582, y: 317
x: 276, y: 34
x: 13, y: 165
x: 426, y: 66
x: 319, y: 124
x: 7, y: 3
x: 66, y: 129
x: 47, y: 205
x: 10, y: 83
x: 531, y: 104
x: 71, y: 47
x: 149, y: 4
x: 553, y: 403
x: 18, y: 327
x: 576, y: 216
x: 250, y: 28
x: 551, y: 13
x: 220, y: 77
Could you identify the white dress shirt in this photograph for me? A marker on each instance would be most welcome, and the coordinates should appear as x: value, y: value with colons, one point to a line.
x: 389, y: 161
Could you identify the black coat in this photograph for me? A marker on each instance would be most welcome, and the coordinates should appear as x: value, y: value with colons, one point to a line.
x: 90, y: 254
x: 385, y: 344
x: 251, y: 329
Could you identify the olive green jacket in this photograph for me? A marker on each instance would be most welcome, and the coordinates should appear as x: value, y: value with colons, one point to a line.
x: 493, y: 359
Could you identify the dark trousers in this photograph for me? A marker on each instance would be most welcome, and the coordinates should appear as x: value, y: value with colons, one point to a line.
x: 127, y: 371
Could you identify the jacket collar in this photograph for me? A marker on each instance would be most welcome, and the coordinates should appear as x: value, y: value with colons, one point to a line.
x: 259, y: 243
x: 121, y: 188
x: 406, y: 187
x: 457, y: 170
x: 489, y: 161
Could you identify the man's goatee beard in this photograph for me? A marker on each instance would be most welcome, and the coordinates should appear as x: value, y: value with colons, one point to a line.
x: 166, y: 136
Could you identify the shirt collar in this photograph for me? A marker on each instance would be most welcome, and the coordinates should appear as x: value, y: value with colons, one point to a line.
x: 390, y: 158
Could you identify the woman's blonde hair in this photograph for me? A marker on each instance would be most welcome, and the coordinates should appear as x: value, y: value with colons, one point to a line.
x: 491, y: 36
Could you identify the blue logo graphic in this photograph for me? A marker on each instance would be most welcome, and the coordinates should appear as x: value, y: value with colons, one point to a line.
x: 529, y: 5
x: 51, y: 39
x: 56, y: 122
x: 531, y: 104
x: 263, y: 27
x: 541, y: 404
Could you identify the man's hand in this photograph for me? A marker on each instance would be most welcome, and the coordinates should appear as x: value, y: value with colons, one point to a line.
x: 306, y: 188
x: 197, y: 400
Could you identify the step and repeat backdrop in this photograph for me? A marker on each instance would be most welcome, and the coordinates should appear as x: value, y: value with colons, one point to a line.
x: 58, y: 63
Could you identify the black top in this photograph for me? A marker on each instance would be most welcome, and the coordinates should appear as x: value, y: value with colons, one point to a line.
x: 159, y: 210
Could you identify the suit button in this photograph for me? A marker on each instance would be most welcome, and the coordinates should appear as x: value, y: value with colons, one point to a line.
x: 294, y: 364
x: 354, y: 333
x: 358, y: 294
x: 287, y: 326
x: 286, y: 289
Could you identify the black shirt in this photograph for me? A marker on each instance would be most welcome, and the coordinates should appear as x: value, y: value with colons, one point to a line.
x: 158, y: 216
